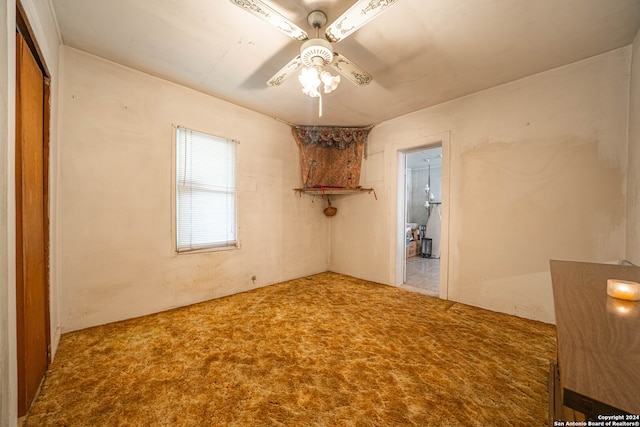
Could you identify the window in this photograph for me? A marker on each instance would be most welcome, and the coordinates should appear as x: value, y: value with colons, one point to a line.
x: 206, y: 191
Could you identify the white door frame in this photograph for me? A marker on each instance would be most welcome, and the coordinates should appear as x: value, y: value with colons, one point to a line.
x: 421, y: 144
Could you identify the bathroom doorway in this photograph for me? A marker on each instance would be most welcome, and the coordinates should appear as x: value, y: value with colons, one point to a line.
x: 423, y: 198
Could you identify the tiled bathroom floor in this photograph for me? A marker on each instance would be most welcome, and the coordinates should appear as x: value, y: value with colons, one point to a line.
x: 423, y: 275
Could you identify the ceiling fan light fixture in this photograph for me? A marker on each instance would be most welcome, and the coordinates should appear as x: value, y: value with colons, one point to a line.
x: 310, y: 81
x: 310, y: 78
x: 329, y: 81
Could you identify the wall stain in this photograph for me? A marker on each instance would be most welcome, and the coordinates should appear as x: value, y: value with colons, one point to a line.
x: 519, y: 204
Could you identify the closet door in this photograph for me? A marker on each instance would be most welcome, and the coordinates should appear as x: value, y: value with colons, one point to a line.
x: 31, y: 242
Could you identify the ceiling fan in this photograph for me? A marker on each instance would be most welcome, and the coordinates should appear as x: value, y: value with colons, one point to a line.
x: 317, y: 52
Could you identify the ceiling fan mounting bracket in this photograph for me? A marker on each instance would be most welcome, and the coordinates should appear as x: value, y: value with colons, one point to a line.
x: 317, y: 19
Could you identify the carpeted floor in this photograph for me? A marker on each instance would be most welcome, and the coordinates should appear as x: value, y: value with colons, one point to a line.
x: 326, y: 350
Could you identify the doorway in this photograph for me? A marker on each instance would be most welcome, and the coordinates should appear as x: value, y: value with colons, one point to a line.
x: 423, y: 218
x: 430, y: 261
x: 32, y: 223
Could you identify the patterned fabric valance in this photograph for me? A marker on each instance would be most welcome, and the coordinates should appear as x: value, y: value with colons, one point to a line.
x: 329, y: 136
x: 330, y: 156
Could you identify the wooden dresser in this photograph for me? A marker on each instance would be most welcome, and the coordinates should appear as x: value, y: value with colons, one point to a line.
x: 598, y: 339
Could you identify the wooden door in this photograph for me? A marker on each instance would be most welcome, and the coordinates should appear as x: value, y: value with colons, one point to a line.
x: 32, y: 311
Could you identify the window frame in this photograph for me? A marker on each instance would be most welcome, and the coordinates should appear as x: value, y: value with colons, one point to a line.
x: 212, y: 247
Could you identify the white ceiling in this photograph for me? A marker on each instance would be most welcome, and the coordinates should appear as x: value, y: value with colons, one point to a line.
x: 425, y: 158
x: 420, y: 52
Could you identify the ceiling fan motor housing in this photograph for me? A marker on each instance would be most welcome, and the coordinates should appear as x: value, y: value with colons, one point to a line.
x: 316, y: 48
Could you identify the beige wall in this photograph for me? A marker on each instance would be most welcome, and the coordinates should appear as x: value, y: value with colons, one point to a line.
x: 537, y: 172
x: 633, y: 181
x: 115, y: 228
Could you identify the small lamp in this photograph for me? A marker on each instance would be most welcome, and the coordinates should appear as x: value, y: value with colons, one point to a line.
x: 623, y: 289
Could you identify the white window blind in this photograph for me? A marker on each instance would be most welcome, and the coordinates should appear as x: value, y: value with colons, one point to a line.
x: 206, y: 191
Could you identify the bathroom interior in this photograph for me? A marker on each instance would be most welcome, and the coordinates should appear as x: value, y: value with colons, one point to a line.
x: 423, y: 220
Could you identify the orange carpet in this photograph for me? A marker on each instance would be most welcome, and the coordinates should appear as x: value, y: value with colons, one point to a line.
x: 326, y: 350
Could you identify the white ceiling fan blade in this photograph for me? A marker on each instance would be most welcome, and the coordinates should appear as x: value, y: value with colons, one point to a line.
x: 359, y: 14
x: 285, y: 71
x: 267, y: 13
x: 350, y: 70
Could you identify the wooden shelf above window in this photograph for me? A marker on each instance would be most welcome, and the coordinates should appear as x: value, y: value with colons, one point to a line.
x: 331, y: 191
